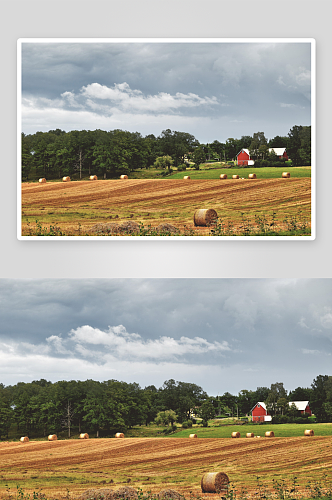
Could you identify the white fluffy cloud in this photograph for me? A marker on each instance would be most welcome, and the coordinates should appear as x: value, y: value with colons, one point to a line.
x: 119, y: 344
x: 88, y: 352
x: 119, y: 98
x: 115, y: 344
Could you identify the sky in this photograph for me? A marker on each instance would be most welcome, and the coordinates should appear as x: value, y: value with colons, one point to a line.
x: 225, y: 335
x: 212, y: 90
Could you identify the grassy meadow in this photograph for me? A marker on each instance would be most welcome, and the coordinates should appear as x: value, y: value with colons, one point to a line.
x: 280, y: 430
x: 262, y: 173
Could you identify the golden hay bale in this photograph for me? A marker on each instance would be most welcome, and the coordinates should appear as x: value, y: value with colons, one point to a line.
x: 205, y: 217
x: 100, y: 494
x: 193, y: 435
x: 168, y: 493
x: 236, y: 435
x: 269, y: 434
x: 285, y: 175
x: 119, y: 435
x: 235, y: 177
x: 123, y: 176
x: 52, y: 437
x: 93, y: 178
x: 66, y: 178
x: 84, y: 435
x: 186, y: 177
x: 223, y: 176
x: 167, y: 228
x: 24, y: 439
x: 252, y: 176
x: 126, y: 492
x: 215, y: 482
x: 250, y: 435
x: 308, y: 432
x: 42, y: 180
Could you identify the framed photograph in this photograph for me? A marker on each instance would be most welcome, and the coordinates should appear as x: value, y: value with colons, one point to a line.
x: 208, y: 138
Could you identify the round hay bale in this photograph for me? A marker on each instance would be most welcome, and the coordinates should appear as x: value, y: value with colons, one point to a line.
x: 236, y: 435
x: 93, y: 178
x: 250, y: 435
x: 193, y: 435
x: 186, y: 177
x: 42, y: 180
x: 100, y: 494
x: 215, y: 482
x: 123, y: 176
x: 52, y: 437
x: 126, y: 492
x: 235, y: 177
x: 285, y: 175
x: 66, y: 178
x: 129, y: 227
x: 119, y: 435
x: 84, y: 435
x: 269, y: 434
x: 167, y: 228
x: 308, y: 432
x: 168, y: 493
x: 252, y: 176
x: 205, y: 217
x: 223, y: 176
x: 24, y: 439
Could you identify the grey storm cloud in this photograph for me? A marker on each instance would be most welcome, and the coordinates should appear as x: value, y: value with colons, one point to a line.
x: 224, y: 334
x: 213, y: 90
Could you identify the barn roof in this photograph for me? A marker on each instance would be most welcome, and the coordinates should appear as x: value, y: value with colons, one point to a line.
x: 300, y: 405
x: 278, y: 151
x: 261, y: 404
x: 245, y: 150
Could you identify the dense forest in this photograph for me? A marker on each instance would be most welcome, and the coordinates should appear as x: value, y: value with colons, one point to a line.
x: 41, y: 407
x: 57, y: 153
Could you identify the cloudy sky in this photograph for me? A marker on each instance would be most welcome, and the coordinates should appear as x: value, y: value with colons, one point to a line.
x: 222, y: 334
x: 211, y: 90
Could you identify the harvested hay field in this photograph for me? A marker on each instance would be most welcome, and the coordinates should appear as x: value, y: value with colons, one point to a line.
x: 153, y: 464
x: 154, y: 202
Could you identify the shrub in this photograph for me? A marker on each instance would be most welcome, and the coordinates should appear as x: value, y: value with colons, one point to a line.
x: 204, y: 423
x: 184, y: 425
x: 182, y: 167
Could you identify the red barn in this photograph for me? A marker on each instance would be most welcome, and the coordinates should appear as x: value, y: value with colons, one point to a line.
x: 280, y: 152
x: 243, y: 158
x: 302, y: 406
x: 260, y: 413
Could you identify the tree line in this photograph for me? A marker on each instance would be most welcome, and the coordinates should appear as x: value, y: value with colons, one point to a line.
x: 41, y: 407
x: 108, y: 154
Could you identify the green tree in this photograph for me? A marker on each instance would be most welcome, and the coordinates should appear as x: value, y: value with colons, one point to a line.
x: 6, y: 411
x: 299, y: 145
x: 198, y: 156
x: 166, y: 417
x: 163, y: 162
x: 277, y: 392
x: 206, y: 410
x: 319, y: 397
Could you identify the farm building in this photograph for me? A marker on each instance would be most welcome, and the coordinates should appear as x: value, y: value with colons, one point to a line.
x: 260, y: 413
x: 302, y: 406
x: 280, y: 152
x: 243, y: 157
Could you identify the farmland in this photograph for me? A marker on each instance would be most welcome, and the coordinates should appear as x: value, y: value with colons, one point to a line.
x: 76, y: 207
x: 157, y: 463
